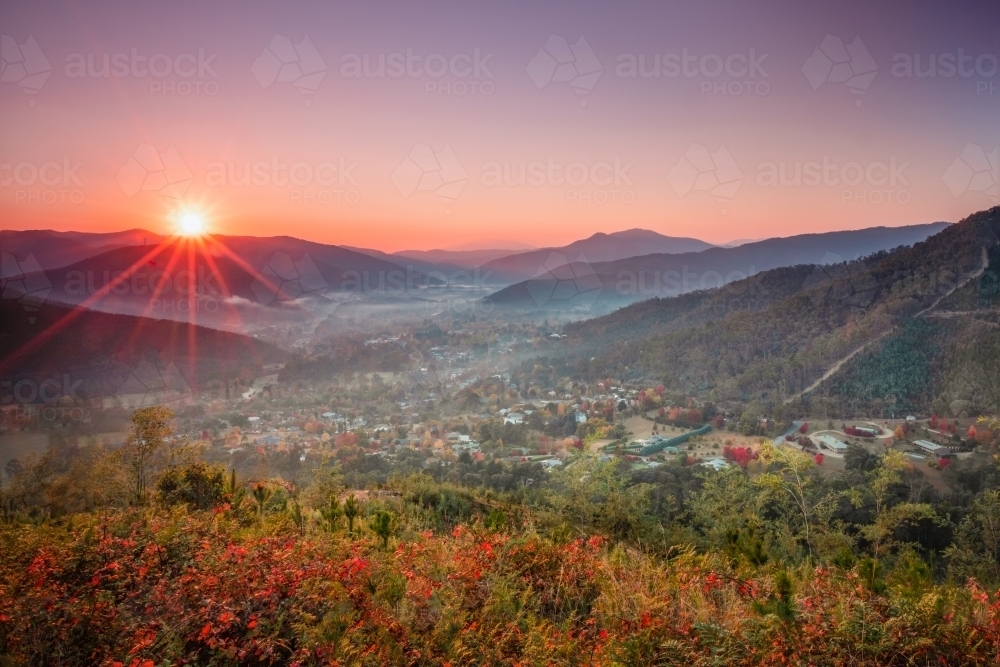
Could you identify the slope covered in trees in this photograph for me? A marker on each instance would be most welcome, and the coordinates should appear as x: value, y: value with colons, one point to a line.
x: 773, y: 352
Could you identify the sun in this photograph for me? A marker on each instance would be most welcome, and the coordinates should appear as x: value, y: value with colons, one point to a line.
x: 191, y: 224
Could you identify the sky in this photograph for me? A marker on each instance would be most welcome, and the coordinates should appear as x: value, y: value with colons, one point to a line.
x: 417, y: 125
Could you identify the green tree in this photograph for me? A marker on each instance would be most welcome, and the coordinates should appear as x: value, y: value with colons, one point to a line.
x: 149, y: 430
x: 332, y: 513
x: 351, y: 510
x: 261, y: 494
x: 382, y: 525
x: 976, y: 552
x: 199, y: 485
x: 792, y: 476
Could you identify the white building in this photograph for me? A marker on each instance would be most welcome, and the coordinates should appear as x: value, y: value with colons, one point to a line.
x: 932, y: 447
x: 718, y: 464
x: 831, y: 443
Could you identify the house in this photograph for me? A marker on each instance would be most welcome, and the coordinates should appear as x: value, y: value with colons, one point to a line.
x: 831, y: 443
x: 717, y: 464
x: 513, y: 418
x: 933, y: 448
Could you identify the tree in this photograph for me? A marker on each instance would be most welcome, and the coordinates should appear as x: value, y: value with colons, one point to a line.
x: 261, y: 494
x: 332, y: 513
x: 382, y: 525
x: 149, y: 430
x: 790, y: 476
x: 858, y: 458
x: 296, y: 514
x: 351, y: 511
x: 234, y: 493
x: 199, y: 485
x: 977, y: 547
x: 883, y: 481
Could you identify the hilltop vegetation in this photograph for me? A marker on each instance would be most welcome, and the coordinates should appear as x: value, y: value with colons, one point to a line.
x: 169, y: 560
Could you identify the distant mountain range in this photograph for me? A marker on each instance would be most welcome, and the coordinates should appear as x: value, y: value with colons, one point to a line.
x: 220, y: 283
x: 506, y: 264
x: 623, y: 281
x: 465, y: 259
x: 597, y: 248
x: 226, y: 281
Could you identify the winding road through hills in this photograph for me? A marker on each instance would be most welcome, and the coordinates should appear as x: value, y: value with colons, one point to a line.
x: 926, y: 312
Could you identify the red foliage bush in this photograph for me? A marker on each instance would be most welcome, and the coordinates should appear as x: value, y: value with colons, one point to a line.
x: 144, y: 588
x: 741, y: 455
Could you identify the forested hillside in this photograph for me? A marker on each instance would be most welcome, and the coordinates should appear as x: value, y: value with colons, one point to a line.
x: 775, y: 350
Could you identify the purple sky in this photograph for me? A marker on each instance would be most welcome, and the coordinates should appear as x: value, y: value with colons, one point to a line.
x: 709, y: 148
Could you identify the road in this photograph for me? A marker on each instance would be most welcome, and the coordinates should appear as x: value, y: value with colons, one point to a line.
x: 926, y: 312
